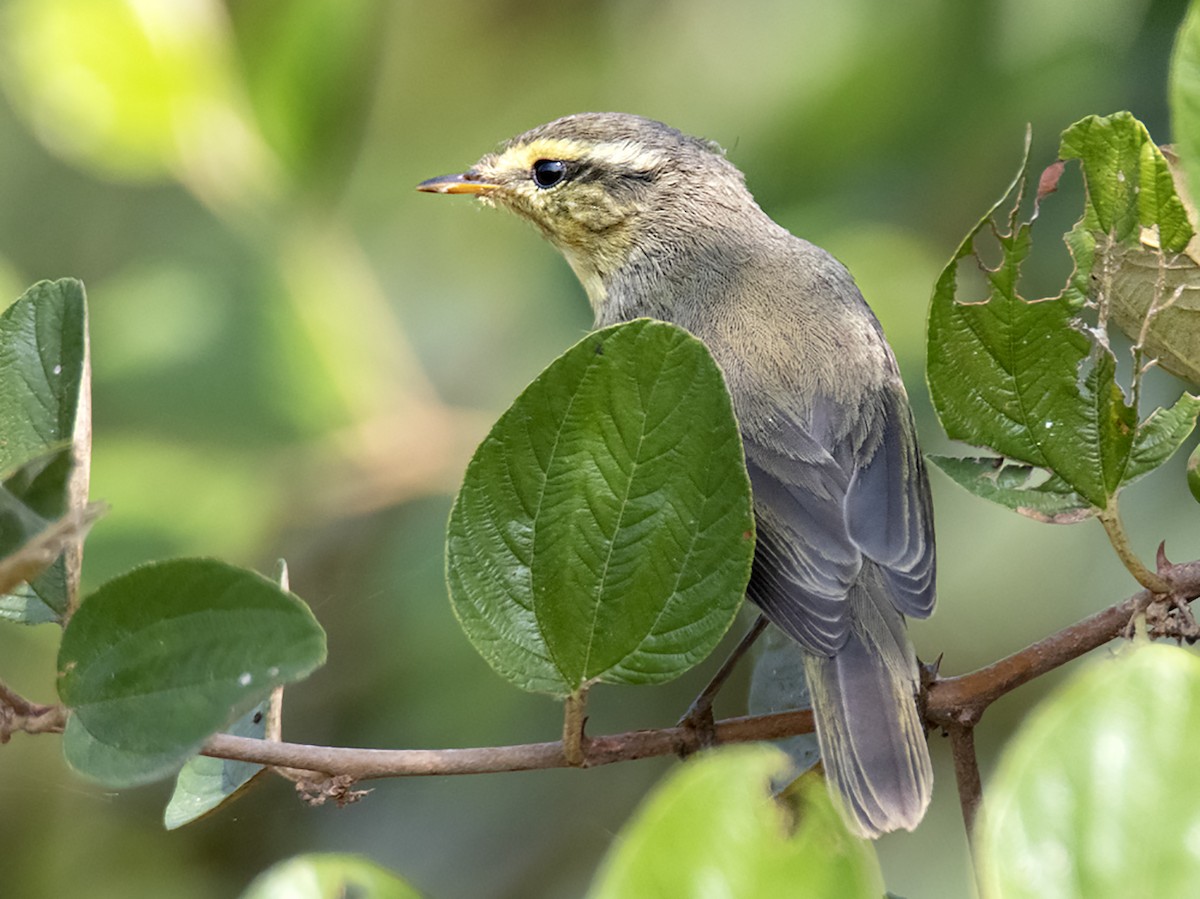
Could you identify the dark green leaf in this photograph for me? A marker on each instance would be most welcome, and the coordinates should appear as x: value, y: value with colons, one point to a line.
x: 714, y: 829
x: 42, y: 345
x: 43, y: 350
x: 1160, y: 435
x: 157, y: 660
x: 1022, y: 488
x: 204, y: 784
x: 1093, y: 797
x: 604, y: 530
x: 328, y: 876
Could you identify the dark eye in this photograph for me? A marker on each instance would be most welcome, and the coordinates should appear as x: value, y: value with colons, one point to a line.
x: 548, y: 172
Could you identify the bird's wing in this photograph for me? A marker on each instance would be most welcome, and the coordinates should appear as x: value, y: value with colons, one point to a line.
x: 889, y: 512
x: 820, y: 509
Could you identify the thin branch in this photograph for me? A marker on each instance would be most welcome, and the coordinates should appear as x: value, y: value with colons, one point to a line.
x: 699, y: 717
x: 953, y: 703
x: 19, y: 715
x: 966, y: 773
x: 368, y: 764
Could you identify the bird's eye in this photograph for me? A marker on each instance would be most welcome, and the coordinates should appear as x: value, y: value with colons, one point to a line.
x: 549, y: 172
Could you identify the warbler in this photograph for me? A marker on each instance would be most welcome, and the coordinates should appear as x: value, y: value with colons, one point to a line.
x: 660, y: 224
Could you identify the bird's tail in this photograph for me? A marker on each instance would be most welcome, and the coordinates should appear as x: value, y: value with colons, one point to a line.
x: 871, y: 737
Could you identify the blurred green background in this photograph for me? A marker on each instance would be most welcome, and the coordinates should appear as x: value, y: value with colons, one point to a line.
x: 295, y: 354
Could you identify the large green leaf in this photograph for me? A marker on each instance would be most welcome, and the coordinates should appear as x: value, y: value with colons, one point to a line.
x: 157, y: 660
x: 1036, y: 381
x: 604, y: 529
x: 1094, y: 796
x: 714, y: 829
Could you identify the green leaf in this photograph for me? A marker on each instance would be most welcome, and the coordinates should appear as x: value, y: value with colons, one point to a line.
x: 204, y: 784
x: 1022, y: 488
x: 34, y: 576
x: 1093, y: 796
x: 713, y: 829
x: 112, y: 765
x: 1036, y: 381
x: 328, y: 876
x: 604, y: 530
x: 159, y: 659
x: 42, y: 346
x: 1160, y: 435
x: 1129, y: 185
x: 43, y: 375
x: 1184, y: 96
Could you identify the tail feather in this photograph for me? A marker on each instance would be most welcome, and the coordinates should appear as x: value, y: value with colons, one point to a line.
x: 871, y: 737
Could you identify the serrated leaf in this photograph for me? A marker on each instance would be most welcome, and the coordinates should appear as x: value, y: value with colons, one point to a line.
x: 1092, y: 796
x: 157, y: 660
x: 1035, y: 381
x: 1022, y: 488
x: 604, y: 530
x: 328, y: 876
x: 1160, y: 435
x: 714, y: 829
x: 204, y: 784
x: 1129, y: 185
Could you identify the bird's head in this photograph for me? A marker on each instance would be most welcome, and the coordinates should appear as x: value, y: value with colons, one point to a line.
x: 606, y: 187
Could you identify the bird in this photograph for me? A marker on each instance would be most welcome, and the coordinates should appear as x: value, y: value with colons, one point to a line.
x: 656, y: 223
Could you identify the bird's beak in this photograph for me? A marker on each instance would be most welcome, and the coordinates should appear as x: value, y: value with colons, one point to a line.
x: 469, y: 182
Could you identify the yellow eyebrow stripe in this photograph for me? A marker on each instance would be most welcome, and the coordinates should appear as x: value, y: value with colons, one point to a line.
x: 624, y: 154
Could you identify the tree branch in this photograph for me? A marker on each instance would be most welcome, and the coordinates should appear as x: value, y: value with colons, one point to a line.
x: 955, y: 703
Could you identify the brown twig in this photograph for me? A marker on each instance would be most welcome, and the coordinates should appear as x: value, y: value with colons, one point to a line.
x: 955, y: 703
x: 19, y: 715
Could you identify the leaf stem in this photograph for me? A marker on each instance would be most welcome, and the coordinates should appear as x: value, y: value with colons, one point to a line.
x: 574, y: 719
x: 1111, y: 519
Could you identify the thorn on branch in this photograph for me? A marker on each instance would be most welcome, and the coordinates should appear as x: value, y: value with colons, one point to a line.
x: 1162, y: 562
